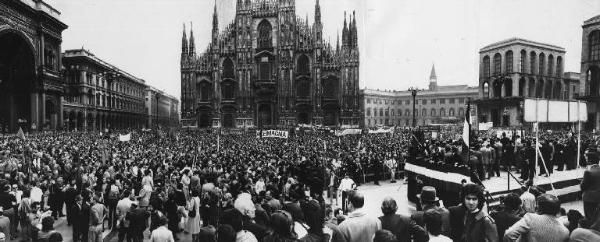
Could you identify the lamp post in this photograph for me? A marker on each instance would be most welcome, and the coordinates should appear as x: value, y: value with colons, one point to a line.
x: 413, y: 91
x: 156, y: 113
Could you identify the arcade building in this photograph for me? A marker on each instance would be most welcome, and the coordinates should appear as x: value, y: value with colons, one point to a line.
x: 31, y: 87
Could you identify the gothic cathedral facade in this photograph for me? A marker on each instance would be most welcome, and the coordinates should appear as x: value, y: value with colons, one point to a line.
x: 271, y: 68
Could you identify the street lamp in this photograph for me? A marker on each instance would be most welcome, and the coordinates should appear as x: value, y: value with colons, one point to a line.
x: 413, y: 91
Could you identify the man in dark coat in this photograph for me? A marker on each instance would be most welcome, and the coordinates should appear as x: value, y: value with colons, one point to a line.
x: 430, y: 201
x: 138, y: 221
x: 81, y: 219
x: 590, y: 186
x: 402, y: 226
x: 70, y: 194
x: 56, y: 198
x: 507, y: 214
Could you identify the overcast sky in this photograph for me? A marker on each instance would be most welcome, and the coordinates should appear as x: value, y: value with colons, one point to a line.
x: 399, y: 39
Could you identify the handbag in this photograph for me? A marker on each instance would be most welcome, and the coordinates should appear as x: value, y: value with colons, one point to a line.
x: 192, y: 212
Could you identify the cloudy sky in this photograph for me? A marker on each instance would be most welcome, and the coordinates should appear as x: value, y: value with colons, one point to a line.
x: 399, y: 39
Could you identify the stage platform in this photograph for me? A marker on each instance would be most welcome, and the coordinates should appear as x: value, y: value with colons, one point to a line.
x: 565, y: 183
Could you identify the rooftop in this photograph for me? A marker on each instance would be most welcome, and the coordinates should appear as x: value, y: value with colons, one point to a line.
x: 42, y: 6
x: 515, y: 40
x: 87, y: 54
x: 441, y: 90
x: 595, y: 19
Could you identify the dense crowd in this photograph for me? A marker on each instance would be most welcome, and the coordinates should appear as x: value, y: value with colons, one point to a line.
x: 236, y: 187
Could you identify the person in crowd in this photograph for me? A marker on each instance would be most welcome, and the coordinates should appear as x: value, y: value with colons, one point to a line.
x: 590, y: 188
x: 282, y: 228
x: 8, y: 204
x: 162, y: 233
x: 573, y: 217
x: 402, y: 226
x: 138, y: 221
x: 433, y: 222
x: 540, y: 226
x: 98, y: 213
x: 383, y: 235
x: 123, y: 208
x: 429, y: 201
x: 359, y: 226
x: 244, y: 205
x: 468, y: 222
x: 193, y: 223
x: 346, y: 185
x: 81, y: 219
x: 507, y: 213
x: 528, y: 199
x: 592, y: 233
x: 47, y: 230
x: 5, y: 226
x: 315, y: 219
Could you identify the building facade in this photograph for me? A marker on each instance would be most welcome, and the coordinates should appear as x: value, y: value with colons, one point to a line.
x: 99, y: 95
x: 162, y: 108
x: 514, y: 69
x: 590, y: 70
x: 31, y: 85
x: 435, y: 105
x: 270, y: 67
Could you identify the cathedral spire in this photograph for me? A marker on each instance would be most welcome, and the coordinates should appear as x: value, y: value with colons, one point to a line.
x: 317, y: 13
x: 354, y: 31
x: 192, y: 41
x: 345, y: 32
x: 184, y: 43
x: 337, y: 45
x: 215, y: 27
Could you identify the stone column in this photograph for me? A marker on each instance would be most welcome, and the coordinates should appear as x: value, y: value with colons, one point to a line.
x: 34, y: 110
x: 60, y: 111
x: 43, y: 111
x: 85, y: 115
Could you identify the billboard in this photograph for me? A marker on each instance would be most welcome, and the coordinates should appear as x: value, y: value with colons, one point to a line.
x: 549, y: 111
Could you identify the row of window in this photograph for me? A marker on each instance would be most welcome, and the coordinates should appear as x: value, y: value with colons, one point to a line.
x: 534, y: 64
x: 390, y: 112
x: 399, y: 122
x: 418, y: 101
x: 75, y: 77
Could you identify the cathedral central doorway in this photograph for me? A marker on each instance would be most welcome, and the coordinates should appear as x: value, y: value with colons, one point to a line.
x: 265, y: 116
x: 17, y: 75
x: 228, y: 120
x: 204, y: 119
x: 303, y: 114
x: 330, y: 115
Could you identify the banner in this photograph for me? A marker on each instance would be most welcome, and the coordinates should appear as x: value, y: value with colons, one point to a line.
x: 380, y: 131
x: 273, y: 134
x: 486, y: 126
x: 125, y: 138
x: 348, y: 132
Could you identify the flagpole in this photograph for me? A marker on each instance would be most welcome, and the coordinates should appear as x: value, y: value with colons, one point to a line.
x: 578, y: 136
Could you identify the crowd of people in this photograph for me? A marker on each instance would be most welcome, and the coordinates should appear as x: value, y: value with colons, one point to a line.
x: 228, y: 187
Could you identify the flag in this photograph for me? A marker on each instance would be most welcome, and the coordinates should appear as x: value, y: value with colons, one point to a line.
x: 467, y: 125
x: 20, y: 134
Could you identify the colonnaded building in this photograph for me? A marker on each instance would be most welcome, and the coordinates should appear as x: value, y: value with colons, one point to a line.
x: 514, y: 69
x: 435, y: 105
x: 590, y: 70
x: 270, y: 67
x: 42, y: 89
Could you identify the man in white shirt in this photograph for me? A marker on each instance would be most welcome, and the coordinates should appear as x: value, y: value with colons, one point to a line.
x: 162, y: 234
x: 359, y: 226
x: 36, y: 193
x: 346, y: 185
x: 123, y: 206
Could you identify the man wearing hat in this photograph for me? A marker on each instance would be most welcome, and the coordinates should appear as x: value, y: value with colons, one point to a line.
x: 429, y: 201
